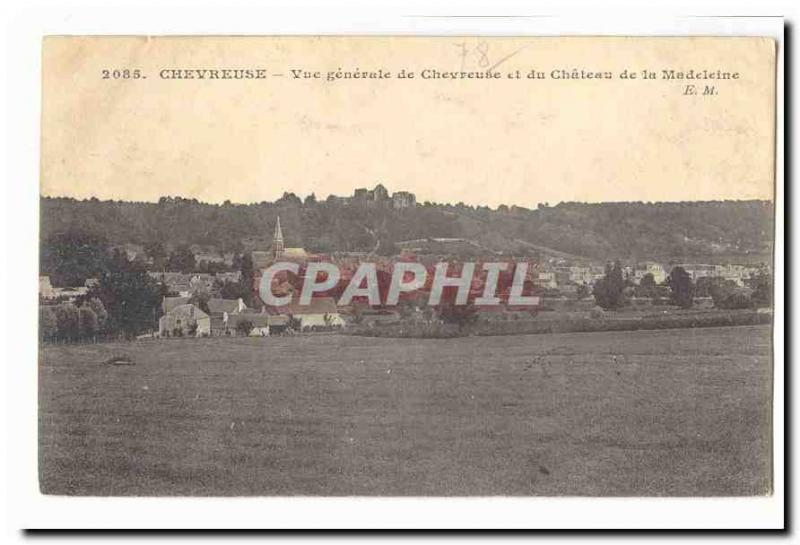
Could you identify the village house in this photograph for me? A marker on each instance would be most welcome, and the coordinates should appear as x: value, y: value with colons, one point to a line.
x: 185, y: 284
x: 737, y: 273
x: 174, y: 281
x: 581, y: 274
x: 201, y: 282
x: 210, y: 254
x: 697, y: 271
x: 278, y: 324
x: 258, y: 322
x: 169, y: 303
x: 321, y: 312
x: 547, y: 280
x: 184, y: 321
x: 68, y: 294
x: 372, y: 318
x: 221, y: 311
x: 262, y: 324
x: 649, y: 267
x: 46, y: 289
x: 226, y: 306
x: 131, y: 251
x: 233, y: 276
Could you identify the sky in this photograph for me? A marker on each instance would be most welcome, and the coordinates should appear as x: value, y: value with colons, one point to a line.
x: 482, y: 142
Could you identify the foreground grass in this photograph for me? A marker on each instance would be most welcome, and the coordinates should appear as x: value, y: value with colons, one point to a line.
x: 678, y: 412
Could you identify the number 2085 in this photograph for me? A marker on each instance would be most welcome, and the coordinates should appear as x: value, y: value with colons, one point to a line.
x: 122, y: 74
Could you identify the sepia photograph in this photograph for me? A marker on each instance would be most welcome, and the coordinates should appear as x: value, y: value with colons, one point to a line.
x: 404, y: 268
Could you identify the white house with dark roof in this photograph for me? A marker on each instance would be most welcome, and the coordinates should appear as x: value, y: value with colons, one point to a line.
x: 184, y: 320
x: 321, y: 312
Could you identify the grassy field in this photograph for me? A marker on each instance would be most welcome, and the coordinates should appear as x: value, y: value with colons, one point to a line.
x: 675, y: 412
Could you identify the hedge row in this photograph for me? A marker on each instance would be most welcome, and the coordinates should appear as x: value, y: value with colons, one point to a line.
x: 574, y: 325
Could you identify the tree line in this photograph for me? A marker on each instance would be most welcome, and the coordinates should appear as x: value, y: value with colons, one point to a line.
x: 614, y: 290
x: 596, y: 230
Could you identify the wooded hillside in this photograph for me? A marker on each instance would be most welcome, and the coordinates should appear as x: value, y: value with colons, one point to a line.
x: 597, y: 231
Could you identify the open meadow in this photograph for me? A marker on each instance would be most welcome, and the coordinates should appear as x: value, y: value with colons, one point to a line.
x: 671, y: 412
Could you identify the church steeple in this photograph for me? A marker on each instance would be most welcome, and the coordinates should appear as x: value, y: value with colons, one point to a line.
x: 277, y: 240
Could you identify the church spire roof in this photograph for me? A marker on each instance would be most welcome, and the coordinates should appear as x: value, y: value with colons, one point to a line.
x: 277, y: 240
x: 278, y: 236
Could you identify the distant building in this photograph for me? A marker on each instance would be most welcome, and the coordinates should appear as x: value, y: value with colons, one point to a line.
x: 201, y: 282
x: 262, y: 324
x: 296, y: 254
x: 547, y: 279
x: 403, y: 199
x: 221, y: 311
x: 68, y: 294
x: 174, y: 281
x: 230, y: 306
x: 233, y: 276
x: 371, y: 318
x: 278, y: 323
x: 46, y: 288
x: 649, y: 267
x: 259, y: 324
x: 377, y: 196
x: 697, y: 271
x: 170, y: 303
x: 321, y: 312
x: 380, y: 193
x: 184, y: 320
x: 210, y: 257
x: 738, y: 274
x: 581, y: 275
x: 334, y: 199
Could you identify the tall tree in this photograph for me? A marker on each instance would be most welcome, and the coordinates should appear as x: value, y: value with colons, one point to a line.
x: 182, y: 260
x: 200, y: 300
x: 99, y: 310
x: 156, y: 252
x: 132, y: 300
x: 72, y: 257
x: 88, y: 324
x: 248, y: 278
x: 762, y: 289
x: 67, y: 321
x: 682, y: 287
x: 647, y: 286
x: 609, y: 291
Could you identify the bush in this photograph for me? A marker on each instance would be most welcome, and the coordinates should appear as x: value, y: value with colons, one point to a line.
x: 244, y: 327
x: 48, y: 324
x: 735, y: 301
x: 609, y: 291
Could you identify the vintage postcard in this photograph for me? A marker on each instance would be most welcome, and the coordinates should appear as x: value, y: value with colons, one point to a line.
x: 407, y: 266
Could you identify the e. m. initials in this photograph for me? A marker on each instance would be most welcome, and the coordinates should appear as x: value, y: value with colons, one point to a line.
x: 699, y: 90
